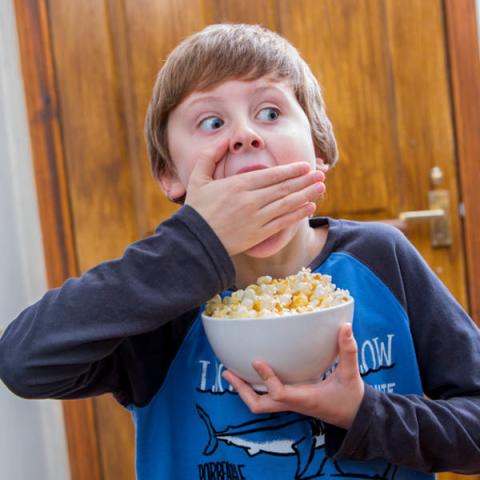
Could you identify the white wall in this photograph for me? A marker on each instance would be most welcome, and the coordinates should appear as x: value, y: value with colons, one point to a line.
x: 32, y: 436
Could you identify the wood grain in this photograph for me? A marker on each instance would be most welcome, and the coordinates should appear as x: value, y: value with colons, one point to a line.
x: 53, y: 201
x: 94, y: 132
x: 463, y: 49
x: 127, y: 107
x: 147, y: 43
x: 343, y: 42
x: 95, y: 129
x: 262, y: 12
x: 424, y: 129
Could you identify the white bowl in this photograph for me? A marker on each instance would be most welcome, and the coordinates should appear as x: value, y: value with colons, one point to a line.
x: 300, y: 347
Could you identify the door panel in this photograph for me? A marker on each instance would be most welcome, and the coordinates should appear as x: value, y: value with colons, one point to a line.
x: 386, y: 90
x: 425, y: 127
x: 151, y: 30
x: 99, y: 176
x: 345, y: 49
x: 384, y: 72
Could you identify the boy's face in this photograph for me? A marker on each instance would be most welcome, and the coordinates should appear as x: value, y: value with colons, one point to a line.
x: 261, y: 121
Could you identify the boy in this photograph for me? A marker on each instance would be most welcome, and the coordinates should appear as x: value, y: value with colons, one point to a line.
x: 233, y: 111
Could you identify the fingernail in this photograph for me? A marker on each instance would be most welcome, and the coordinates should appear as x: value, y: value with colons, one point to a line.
x: 262, y: 374
x: 349, y: 330
x: 258, y: 368
x: 319, y: 187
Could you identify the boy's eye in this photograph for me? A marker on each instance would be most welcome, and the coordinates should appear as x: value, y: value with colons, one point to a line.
x: 211, y: 123
x: 268, y: 114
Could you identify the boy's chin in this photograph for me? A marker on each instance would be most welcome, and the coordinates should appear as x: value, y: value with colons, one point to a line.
x: 271, y: 245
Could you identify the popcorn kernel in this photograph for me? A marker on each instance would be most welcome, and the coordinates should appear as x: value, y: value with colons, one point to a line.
x: 299, y: 293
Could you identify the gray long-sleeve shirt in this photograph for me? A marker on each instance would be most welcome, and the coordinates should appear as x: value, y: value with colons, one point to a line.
x: 130, y: 327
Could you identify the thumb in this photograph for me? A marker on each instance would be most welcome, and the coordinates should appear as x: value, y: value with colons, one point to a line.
x: 348, y: 351
x: 205, y: 165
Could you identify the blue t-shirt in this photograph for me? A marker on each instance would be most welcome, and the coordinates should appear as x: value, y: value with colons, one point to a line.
x: 196, y: 427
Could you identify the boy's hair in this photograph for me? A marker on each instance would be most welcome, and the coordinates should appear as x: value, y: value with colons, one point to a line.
x: 232, y: 51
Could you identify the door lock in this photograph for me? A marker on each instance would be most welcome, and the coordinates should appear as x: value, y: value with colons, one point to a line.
x: 438, y: 213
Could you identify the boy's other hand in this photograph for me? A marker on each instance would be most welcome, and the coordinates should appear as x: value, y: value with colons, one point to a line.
x: 248, y: 208
x: 335, y: 400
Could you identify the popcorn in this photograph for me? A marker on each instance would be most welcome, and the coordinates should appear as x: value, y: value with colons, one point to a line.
x: 299, y: 293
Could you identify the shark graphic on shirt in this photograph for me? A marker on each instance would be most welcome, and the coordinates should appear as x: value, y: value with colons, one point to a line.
x: 294, y: 435
x: 249, y: 436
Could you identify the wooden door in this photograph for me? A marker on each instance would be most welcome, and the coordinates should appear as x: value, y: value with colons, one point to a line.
x: 384, y: 68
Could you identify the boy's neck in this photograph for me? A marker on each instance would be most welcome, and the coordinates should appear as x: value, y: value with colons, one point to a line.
x: 304, y: 247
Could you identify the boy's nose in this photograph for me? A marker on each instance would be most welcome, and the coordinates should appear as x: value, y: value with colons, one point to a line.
x: 245, y: 140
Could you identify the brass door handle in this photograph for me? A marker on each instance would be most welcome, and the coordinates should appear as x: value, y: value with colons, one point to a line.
x: 414, y: 215
x: 438, y: 213
x: 438, y: 216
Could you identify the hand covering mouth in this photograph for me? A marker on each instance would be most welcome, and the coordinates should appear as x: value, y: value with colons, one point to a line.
x: 250, y: 168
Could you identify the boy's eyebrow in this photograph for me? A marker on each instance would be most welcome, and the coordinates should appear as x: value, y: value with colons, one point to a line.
x: 210, y: 98
x: 266, y: 88
x: 215, y: 98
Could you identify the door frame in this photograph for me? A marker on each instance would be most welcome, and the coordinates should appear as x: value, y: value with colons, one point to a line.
x: 464, y: 68
x: 41, y: 94
x: 38, y: 69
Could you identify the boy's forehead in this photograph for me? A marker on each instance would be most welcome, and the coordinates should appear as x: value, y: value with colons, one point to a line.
x: 231, y: 86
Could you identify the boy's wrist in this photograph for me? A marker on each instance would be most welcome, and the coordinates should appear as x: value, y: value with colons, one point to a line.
x: 352, y: 407
x: 341, y: 442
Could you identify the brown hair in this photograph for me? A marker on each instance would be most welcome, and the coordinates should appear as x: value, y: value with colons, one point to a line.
x: 232, y: 51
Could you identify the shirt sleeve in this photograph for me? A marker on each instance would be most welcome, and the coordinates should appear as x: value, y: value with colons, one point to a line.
x: 439, y: 431
x: 67, y: 344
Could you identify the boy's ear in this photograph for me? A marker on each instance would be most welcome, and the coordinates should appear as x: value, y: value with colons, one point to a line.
x: 171, y: 186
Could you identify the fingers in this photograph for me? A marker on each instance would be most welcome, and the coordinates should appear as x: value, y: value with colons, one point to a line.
x: 273, y: 175
x: 311, y: 185
x: 348, y: 353
x: 335, y: 400
x: 295, y: 398
x: 255, y: 402
x: 275, y: 387
x: 286, y: 219
x: 205, y: 165
x: 293, y: 201
x: 244, y: 390
x: 279, y: 397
